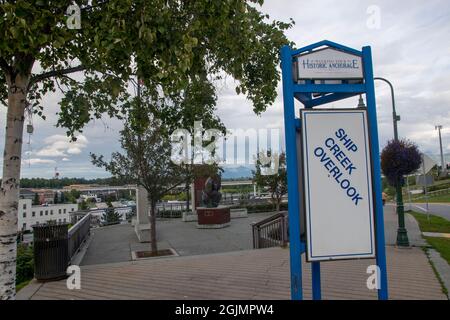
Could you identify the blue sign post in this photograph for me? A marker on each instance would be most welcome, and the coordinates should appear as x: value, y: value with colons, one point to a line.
x: 314, y: 79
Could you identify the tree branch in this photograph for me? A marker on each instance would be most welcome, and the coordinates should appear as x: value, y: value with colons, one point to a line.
x: 55, y: 73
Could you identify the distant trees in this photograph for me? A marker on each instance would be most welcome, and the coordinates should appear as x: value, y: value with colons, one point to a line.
x: 36, y: 201
x: 274, y: 182
x: 70, y: 196
x: 83, y: 205
x: 64, y: 182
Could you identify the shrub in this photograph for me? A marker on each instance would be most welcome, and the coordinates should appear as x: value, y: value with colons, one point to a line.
x: 25, y: 263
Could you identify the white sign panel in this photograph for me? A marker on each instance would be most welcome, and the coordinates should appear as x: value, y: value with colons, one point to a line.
x: 338, y: 185
x: 329, y: 63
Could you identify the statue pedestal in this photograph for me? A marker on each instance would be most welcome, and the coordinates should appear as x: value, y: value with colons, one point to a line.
x: 213, y: 218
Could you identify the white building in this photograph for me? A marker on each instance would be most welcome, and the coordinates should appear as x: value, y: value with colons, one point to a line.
x: 29, y: 215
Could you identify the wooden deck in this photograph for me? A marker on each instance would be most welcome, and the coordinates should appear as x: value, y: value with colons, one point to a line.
x: 253, y: 274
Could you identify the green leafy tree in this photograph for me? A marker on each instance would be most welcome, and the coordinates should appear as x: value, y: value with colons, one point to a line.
x: 111, y: 216
x: 164, y: 42
x: 83, y: 205
x: 36, y: 201
x: 272, y: 176
x: 55, y: 198
x: 146, y: 161
x: 63, y: 198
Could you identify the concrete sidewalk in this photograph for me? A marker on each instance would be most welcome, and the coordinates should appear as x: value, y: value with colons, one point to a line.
x: 391, y: 226
x: 115, y: 243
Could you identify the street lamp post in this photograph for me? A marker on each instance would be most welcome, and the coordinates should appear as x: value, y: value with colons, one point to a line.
x: 402, y: 234
x: 443, y: 166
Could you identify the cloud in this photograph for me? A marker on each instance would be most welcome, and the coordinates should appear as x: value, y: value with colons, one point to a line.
x: 60, y: 146
x: 65, y: 159
x: 411, y: 49
x: 34, y: 161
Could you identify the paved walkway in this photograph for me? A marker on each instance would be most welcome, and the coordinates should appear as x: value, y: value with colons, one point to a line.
x: 391, y: 225
x: 436, y: 235
x: 439, y: 209
x: 115, y: 243
x: 254, y: 274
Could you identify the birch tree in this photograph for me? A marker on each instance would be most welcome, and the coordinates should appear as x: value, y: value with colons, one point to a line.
x: 166, y: 40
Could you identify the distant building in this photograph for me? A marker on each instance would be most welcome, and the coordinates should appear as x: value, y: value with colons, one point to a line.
x: 27, y: 194
x: 81, y: 187
x: 45, y: 195
x: 29, y: 215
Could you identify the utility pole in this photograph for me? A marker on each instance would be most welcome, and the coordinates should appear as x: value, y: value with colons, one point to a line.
x: 443, y: 172
x: 402, y: 233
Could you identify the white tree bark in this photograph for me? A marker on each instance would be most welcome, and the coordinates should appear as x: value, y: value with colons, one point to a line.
x: 9, y: 189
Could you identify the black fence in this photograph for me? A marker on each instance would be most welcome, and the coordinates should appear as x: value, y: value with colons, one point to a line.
x: 271, y: 232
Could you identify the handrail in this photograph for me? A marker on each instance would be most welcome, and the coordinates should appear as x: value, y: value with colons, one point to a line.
x: 271, y: 232
x: 77, y: 234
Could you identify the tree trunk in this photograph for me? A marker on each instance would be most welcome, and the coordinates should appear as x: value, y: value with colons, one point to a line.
x: 9, y: 190
x: 154, y: 245
x: 187, y: 196
x: 278, y: 204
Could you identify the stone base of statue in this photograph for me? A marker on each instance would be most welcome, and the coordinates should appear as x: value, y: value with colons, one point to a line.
x: 213, y: 218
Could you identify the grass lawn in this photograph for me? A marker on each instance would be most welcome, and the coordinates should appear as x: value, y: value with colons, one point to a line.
x: 435, y: 224
x: 22, y: 284
x: 443, y: 198
x: 442, y: 245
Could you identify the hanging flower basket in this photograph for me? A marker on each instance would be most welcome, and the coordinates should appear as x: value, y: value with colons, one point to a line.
x: 399, y: 158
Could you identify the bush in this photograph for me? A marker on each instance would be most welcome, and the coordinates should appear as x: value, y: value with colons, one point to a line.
x: 265, y: 207
x: 441, y: 186
x: 25, y: 263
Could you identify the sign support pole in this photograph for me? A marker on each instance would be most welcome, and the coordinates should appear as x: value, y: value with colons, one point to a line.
x: 375, y: 154
x: 291, y: 161
x: 316, y: 288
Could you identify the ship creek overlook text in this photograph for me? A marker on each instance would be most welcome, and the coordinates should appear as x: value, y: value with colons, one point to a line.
x: 342, y: 166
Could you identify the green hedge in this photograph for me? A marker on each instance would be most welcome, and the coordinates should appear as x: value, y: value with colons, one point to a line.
x: 439, y: 187
x: 265, y: 207
x: 25, y: 263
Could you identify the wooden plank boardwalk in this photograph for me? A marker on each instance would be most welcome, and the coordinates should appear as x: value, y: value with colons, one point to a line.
x: 253, y: 274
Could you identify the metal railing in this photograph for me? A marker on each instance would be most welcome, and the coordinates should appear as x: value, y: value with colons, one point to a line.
x: 271, y: 232
x: 170, y: 210
x: 78, y: 234
x: 431, y: 194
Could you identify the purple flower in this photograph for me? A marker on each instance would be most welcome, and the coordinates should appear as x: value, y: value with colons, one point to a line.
x: 399, y: 158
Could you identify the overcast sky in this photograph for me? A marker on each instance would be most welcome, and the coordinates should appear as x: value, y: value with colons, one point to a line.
x: 410, y: 46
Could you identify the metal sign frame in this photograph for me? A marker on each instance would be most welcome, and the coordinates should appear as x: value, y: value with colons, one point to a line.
x: 306, y: 94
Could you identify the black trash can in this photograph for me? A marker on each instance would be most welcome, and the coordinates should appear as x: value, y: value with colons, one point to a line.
x: 51, y: 252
